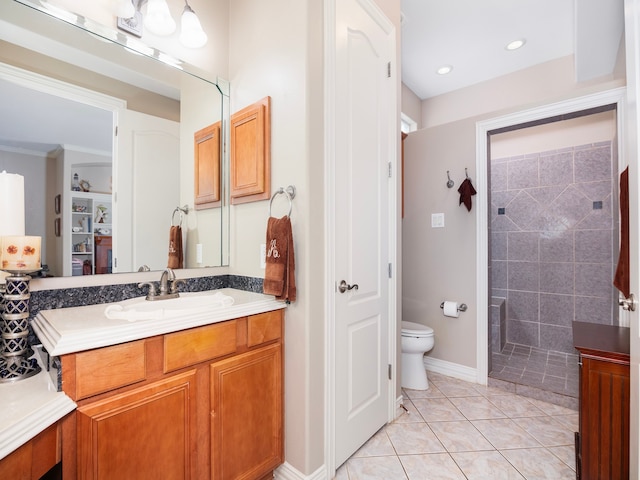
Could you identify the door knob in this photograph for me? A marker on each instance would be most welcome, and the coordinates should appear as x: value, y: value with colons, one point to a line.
x: 344, y: 286
x: 628, y: 304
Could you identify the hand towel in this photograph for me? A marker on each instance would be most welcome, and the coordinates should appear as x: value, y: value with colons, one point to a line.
x: 175, y: 247
x: 279, y: 275
x: 621, y: 279
x: 466, y: 190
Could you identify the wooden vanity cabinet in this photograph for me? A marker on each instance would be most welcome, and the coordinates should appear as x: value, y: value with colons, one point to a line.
x: 602, y: 444
x: 206, y: 402
x: 35, y: 458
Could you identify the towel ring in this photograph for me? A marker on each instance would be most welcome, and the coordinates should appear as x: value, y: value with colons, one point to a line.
x: 290, y: 193
x: 183, y: 211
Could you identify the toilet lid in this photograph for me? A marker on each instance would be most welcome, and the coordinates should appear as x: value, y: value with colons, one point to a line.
x: 418, y: 329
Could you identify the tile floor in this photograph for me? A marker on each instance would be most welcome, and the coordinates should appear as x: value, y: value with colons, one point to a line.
x: 461, y: 430
x: 551, y: 371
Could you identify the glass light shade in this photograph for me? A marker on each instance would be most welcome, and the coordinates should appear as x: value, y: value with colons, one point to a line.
x: 191, y: 33
x: 124, y: 9
x: 158, y: 20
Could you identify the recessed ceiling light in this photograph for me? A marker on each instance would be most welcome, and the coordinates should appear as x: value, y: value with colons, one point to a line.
x: 444, y: 69
x: 516, y: 44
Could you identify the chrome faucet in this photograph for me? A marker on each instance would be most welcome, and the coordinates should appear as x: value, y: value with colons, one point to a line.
x: 166, y: 290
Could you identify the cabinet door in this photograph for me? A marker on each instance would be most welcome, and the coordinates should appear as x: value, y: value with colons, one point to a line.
x: 604, y: 420
x: 146, y: 433
x: 246, y: 404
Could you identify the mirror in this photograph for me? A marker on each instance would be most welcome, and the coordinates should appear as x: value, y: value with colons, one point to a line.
x: 65, y: 104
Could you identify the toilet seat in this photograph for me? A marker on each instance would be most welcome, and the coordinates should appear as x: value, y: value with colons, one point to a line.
x: 416, y: 329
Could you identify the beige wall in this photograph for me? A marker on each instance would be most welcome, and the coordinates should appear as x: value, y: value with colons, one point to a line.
x: 276, y: 49
x: 440, y: 263
x: 411, y: 105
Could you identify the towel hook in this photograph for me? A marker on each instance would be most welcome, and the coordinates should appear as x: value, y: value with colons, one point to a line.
x: 449, y: 182
x: 465, y: 173
x: 289, y: 192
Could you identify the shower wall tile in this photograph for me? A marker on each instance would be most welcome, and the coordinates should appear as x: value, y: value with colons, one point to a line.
x: 557, y: 247
x: 498, y: 176
x: 523, y: 306
x: 552, y: 251
x: 594, y: 310
x: 524, y: 333
x: 498, y: 245
x: 557, y: 278
x: 556, y: 169
x: 522, y: 174
x: 498, y: 274
x: 593, y: 164
x: 556, y: 309
x: 593, y: 279
x: 523, y: 246
x: 594, y: 246
x: 523, y: 276
x: 558, y: 339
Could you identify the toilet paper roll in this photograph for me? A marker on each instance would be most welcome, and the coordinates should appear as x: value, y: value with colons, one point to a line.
x: 450, y: 309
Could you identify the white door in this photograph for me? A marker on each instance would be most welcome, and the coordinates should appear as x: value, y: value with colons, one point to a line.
x: 364, y: 129
x: 632, y: 29
x: 147, y: 173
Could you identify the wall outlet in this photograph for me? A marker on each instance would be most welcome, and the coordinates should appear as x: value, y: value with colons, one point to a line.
x: 263, y: 255
x: 198, y: 253
x: 437, y: 220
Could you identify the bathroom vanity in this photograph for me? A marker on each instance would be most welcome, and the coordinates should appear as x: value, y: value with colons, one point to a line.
x: 602, y: 445
x: 197, y: 395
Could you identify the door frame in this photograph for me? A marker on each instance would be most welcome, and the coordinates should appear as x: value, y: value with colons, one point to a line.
x: 615, y: 96
x: 329, y: 222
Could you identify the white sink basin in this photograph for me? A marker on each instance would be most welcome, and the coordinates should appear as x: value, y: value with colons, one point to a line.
x: 187, y: 304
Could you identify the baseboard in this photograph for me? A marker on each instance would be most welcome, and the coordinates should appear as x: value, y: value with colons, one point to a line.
x: 451, y: 369
x: 287, y: 472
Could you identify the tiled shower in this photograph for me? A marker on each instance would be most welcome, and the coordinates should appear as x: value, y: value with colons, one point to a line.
x: 554, y: 242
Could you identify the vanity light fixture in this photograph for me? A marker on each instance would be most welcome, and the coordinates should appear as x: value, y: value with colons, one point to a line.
x: 444, y: 69
x: 158, y: 20
x: 516, y: 44
x: 191, y: 33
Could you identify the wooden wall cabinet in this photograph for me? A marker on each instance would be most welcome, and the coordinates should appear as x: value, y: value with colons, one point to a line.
x: 206, y: 402
x: 602, y: 445
x: 250, y: 153
x: 207, y: 167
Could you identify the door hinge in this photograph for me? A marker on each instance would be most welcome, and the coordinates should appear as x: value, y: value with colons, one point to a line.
x: 390, y: 370
x: 390, y: 271
x: 390, y: 170
x: 388, y: 69
x: 116, y: 134
x: 115, y: 263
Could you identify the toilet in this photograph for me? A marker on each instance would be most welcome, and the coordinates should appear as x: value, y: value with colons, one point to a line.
x: 416, y: 340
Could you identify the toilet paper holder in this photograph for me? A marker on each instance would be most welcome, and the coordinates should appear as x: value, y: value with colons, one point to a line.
x: 461, y: 308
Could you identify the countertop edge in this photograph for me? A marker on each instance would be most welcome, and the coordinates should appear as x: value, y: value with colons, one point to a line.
x: 61, y: 343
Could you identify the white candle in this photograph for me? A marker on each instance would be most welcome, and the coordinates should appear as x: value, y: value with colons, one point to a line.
x: 11, y: 204
x: 20, y: 253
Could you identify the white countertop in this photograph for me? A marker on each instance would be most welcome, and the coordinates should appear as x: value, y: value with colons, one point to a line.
x: 68, y: 330
x: 28, y: 407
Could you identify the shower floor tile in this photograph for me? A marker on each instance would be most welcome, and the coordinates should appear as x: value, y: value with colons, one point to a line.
x: 556, y: 372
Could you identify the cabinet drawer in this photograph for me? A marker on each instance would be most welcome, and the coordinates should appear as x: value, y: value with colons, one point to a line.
x: 182, y: 349
x: 108, y: 368
x: 264, y: 327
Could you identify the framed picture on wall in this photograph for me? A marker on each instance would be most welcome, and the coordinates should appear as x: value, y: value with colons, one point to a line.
x: 56, y: 203
x: 56, y: 227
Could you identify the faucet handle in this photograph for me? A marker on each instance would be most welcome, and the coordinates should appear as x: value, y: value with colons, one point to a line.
x: 152, y: 289
x: 175, y: 283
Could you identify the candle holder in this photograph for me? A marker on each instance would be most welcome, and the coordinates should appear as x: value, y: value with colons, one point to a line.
x: 15, y: 351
